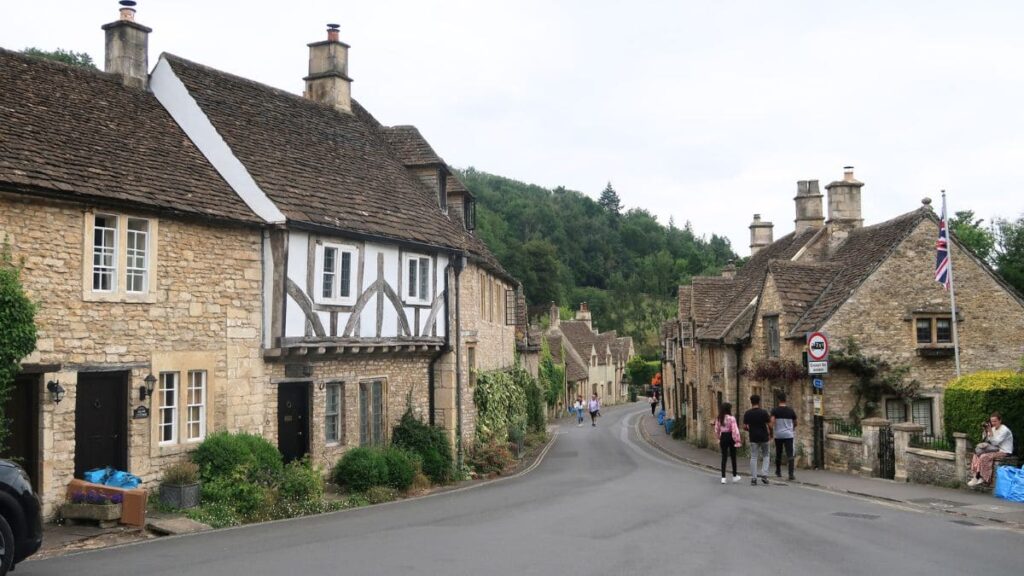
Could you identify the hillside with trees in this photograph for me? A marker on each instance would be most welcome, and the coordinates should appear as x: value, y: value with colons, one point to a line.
x: 568, y: 248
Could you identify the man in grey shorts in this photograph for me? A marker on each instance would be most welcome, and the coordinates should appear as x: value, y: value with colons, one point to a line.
x: 784, y: 423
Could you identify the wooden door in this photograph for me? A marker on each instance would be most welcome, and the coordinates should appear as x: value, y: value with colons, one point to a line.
x: 293, y: 420
x: 101, y: 421
x: 22, y: 410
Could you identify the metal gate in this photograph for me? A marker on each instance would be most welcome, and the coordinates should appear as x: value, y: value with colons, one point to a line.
x: 886, y: 453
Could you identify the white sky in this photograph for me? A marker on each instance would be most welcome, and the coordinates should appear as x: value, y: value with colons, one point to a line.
x: 708, y: 111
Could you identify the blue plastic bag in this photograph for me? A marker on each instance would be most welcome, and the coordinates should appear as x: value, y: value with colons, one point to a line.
x: 122, y: 479
x: 97, y: 475
x: 1009, y: 484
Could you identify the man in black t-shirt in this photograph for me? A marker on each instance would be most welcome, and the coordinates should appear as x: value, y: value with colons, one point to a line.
x: 755, y: 422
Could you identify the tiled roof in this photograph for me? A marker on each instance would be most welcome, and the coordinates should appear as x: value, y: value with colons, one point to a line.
x: 318, y: 165
x: 685, y: 300
x: 605, y: 344
x: 710, y: 293
x: 579, y: 336
x: 623, y: 346
x: 410, y: 146
x: 733, y: 319
x: 456, y: 185
x: 799, y: 284
x: 575, y: 368
x: 855, y: 259
x: 76, y: 133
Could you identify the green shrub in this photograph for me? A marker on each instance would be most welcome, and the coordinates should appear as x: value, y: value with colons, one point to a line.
x: 430, y: 443
x: 401, y: 468
x: 361, y: 468
x: 969, y: 400
x: 380, y: 494
x: 245, y: 498
x: 225, y: 455
x: 301, y: 482
x: 490, y: 457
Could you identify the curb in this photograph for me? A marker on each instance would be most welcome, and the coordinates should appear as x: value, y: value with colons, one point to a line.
x: 1003, y: 521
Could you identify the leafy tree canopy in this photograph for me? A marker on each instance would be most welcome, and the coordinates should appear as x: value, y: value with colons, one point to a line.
x: 610, y: 200
x: 969, y: 230
x: 61, y: 55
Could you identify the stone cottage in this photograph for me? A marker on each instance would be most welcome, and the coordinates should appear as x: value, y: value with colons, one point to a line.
x: 873, y: 284
x: 594, y: 361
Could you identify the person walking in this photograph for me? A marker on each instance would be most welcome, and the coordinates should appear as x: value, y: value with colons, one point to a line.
x: 756, y: 422
x: 783, y: 422
x: 729, y: 439
x: 578, y: 407
x: 595, y: 409
x: 654, y: 402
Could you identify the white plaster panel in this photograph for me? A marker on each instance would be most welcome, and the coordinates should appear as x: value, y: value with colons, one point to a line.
x: 295, y: 319
x: 369, y: 266
x: 368, y: 319
x: 298, y: 256
x: 389, y: 328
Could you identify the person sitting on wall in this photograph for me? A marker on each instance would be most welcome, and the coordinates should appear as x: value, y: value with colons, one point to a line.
x: 996, y: 444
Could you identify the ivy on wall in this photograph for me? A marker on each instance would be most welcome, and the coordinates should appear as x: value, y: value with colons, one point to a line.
x: 876, y: 377
x: 17, y: 330
x: 507, y: 402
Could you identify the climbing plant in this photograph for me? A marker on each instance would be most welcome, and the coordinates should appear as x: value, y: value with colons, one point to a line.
x: 551, y: 376
x: 774, y: 370
x: 501, y: 405
x: 876, y: 377
x: 17, y: 329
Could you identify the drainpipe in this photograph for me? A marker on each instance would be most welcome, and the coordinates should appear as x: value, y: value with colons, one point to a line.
x: 738, y: 348
x: 457, y: 259
x: 431, y: 378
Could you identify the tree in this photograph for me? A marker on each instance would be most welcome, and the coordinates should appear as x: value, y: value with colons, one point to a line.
x: 61, y: 55
x: 1009, y: 251
x: 610, y: 200
x: 972, y: 234
x: 17, y: 330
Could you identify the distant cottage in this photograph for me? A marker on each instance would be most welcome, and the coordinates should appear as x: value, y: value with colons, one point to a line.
x: 595, y: 362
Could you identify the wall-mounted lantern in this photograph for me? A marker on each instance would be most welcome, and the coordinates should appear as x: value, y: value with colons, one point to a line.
x: 147, y: 390
x: 56, y: 391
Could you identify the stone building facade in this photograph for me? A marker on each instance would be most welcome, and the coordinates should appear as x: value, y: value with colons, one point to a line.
x: 595, y: 362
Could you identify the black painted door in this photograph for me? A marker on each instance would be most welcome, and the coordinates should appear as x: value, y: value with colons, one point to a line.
x: 22, y: 408
x: 293, y: 420
x: 101, y: 421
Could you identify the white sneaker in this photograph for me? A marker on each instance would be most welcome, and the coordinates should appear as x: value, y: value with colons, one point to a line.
x: 736, y: 478
x: 974, y: 482
x: 723, y: 480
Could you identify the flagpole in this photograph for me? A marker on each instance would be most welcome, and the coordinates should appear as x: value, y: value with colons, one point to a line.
x: 952, y: 292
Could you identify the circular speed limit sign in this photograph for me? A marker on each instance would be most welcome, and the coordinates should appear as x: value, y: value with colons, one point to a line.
x: 817, y: 347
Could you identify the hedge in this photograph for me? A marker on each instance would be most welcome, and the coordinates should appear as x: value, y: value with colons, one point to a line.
x: 970, y: 399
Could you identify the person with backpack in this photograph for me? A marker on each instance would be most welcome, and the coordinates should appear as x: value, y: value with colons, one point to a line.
x: 784, y: 424
x: 756, y: 422
x: 728, y: 434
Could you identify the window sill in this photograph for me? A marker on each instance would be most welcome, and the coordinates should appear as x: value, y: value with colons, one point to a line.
x: 935, y: 350
x: 119, y: 297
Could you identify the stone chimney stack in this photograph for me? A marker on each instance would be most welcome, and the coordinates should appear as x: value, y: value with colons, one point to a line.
x: 729, y: 271
x: 553, y: 315
x: 583, y: 314
x: 328, y: 82
x: 843, y: 207
x: 808, y: 206
x: 127, y: 47
x: 760, y: 234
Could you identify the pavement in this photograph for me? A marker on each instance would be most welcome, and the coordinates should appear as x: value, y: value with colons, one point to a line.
x: 975, y: 505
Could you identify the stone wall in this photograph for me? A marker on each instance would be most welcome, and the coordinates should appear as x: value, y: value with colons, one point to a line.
x: 931, y: 467
x: 202, y: 311
x: 844, y: 453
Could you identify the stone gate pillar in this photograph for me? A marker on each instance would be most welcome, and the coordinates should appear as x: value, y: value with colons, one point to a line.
x: 901, y: 432
x: 871, y: 428
x: 963, y: 455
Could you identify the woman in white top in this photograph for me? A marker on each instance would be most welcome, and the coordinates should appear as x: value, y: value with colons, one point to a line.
x: 996, y: 444
x: 578, y: 408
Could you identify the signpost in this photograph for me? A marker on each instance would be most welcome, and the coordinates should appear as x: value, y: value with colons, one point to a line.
x: 817, y: 363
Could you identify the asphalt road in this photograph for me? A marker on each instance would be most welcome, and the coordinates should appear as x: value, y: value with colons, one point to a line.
x: 601, y: 502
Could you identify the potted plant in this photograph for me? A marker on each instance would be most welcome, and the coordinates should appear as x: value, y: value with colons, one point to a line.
x: 180, y: 485
x: 93, y: 505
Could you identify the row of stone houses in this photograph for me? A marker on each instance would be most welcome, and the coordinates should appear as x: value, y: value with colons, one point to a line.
x: 595, y: 362
x: 210, y: 253
x: 874, y: 284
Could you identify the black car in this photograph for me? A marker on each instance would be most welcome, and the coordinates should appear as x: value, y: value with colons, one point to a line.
x: 21, y: 521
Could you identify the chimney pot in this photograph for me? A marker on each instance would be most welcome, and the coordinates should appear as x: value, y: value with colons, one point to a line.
x: 848, y: 173
x: 809, y: 214
x: 128, y: 10
x: 332, y: 32
x: 328, y: 81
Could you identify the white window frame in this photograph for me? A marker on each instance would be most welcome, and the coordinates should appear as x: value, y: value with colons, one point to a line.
x: 104, y: 251
x: 197, y: 381
x: 334, y: 388
x: 131, y: 254
x: 318, y: 272
x: 164, y: 393
x: 412, y: 291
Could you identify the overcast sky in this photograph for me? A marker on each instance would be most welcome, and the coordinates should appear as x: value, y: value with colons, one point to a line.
x: 707, y: 111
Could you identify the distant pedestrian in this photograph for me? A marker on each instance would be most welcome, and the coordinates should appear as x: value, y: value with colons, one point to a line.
x: 997, y: 444
x: 654, y: 402
x: 579, y: 407
x: 595, y: 409
x: 784, y: 424
x: 729, y: 440
x: 756, y: 422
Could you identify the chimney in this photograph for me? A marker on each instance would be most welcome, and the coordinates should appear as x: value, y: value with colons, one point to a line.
x: 583, y: 314
x: 127, y: 47
x: 328, y: 82
x: 843, y: 207
x: 729, y: 271
x: 808, y: 206
x: 760, y: 234
x: 553, y: 315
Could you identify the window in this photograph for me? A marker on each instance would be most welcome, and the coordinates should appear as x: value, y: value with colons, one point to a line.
x: 168, y: 407
x: 933, y: 330
x: 104, y: 253
x: 332, y: 413
x: 469, y: 212
x: 511, y: 312
x: 895, y: 410
x: 483, y: 296
x: 442, y: 190
x: 371, y: 412
x: 771, y: 329
x: 921, y: 413
x: 334, y: 274
x: 195, y: 406
x: 417, y: 279
x: 137, y: 255
x: 471, y: 365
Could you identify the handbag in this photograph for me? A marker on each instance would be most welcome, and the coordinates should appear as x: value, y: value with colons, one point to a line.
x: 984, y: 448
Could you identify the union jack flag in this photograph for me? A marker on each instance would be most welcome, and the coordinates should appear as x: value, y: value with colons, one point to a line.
x: 942, y: 275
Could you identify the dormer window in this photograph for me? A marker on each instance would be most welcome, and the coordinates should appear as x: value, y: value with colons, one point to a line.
x: 416, y: 269
x: 334, y: 274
